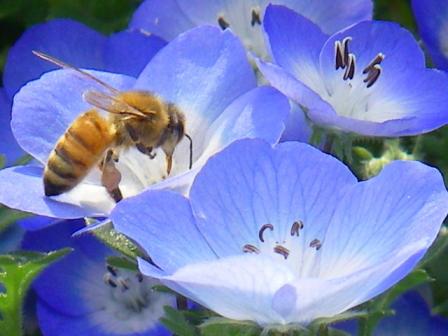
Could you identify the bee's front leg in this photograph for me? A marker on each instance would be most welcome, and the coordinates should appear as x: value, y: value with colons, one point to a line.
x: 111, y: 176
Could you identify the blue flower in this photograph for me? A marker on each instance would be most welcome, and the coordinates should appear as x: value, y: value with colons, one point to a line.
x: 432, y: 22
x: 269, y: 234
x: 126, y: 52
x: 204, y: 72
x: 412, y: 318
x: 169, y: 18
x: 82, y: 295
x: 368, y: 79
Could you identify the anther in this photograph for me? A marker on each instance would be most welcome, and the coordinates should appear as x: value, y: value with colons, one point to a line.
x: 373, y: 75
x: 350, y: 70
x: 282, y: 251
x: 123, y: 284
x: 342, y: 52
x: 109, y: 281
x: 296, y: 227
x: 255, y: 18
x: 316, y: 243
x: 377, y: 60
x: 263, y: 228
x: 112, y: 270
x: 139, y: 277
x: 223, y: 23
x: 248, y: 248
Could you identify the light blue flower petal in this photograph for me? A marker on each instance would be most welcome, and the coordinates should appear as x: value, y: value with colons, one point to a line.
x: 27, y: 180
x: 65, y: 39
x: 295, y: 44
x: 161, y: 17
x: 202, y: 72
x: 8, y: 144
x: 249, y: 184
x: 432, y: 22
x: 405, y: 204
x: 43, y: 109
x: 297, y: 126
x: 260, y: 113
x: 332, y: 15
x: 162, y: 223
x: 128, y: 52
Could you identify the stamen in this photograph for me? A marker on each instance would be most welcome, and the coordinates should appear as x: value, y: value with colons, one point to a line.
x: 342, y: 52
x: 282, y: 251
x: 124, y: 284
x: 316, y: 243
x: 373, y: 75
x: 255, y: 17
x: 263, y: 228
x: 139, y: 277
x: 248, y: 248
x: 377, y: 60
x: 223, y: 23
x: 350, y: 71
x: 296, y: 227
x: 109, y: 281
x: 112, y: 270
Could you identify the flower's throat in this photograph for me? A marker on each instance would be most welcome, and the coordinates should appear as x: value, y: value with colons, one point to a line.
x: 127, y: 288
x: 346, y: 60
x: 278, y: 248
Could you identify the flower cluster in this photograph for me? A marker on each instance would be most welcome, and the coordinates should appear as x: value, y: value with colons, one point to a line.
x: 174, y: 138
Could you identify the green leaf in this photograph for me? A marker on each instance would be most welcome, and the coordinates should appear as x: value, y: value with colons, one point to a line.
x: 17, y: 271
x: 123, y: 262
x: 218, y: 326
x: 176, y: 322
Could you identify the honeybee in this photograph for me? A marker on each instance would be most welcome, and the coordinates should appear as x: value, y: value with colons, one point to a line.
x: 135, y: 118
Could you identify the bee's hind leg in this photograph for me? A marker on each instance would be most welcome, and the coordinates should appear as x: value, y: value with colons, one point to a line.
x: 111, y: 176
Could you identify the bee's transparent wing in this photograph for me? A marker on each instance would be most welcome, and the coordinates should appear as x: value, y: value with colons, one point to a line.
x: 110, y: 103
x: 64, y: 65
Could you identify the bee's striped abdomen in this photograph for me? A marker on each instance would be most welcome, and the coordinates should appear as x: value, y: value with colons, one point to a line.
x: 76, y: 152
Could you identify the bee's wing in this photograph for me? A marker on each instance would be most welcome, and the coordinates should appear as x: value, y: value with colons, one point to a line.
x: 110, y: 103
x: 64, y: 65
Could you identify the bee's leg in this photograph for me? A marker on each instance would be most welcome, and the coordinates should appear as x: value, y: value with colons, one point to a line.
x: 111, y: 176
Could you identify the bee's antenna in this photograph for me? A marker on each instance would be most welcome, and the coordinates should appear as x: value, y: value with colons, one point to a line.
x: 191, y: 150
x: 64, y: 65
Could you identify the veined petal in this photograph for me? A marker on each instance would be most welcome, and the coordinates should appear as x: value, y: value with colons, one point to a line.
x: 43, y: 109
x: 27, y: 180
x: 431, y: 17
x: 261, y: 186
x: 376, y: 219
x: 202, y: 72
x: 159, y: 221
x: 239, y: 287
x: 295, y: 44
x: 65, y: 39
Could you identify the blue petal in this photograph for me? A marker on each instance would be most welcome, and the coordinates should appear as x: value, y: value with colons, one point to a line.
x: 249, y: 184
x: 260, y: 113
x: 159, y: 221
x: 10, y: 239
x: 295, y: 43
x: 44, y: 108
x: 53, y: 323
x: 37, y: 222
x: 404, y: 205
x: 202, y: 72
x: 297, y: 127
x: 8, y: 144
x: 128, y: 52
x: 431, y: 17
x: 63, y: 284
x: 27, y: 180
x: 161, y: 17
x: 65, y: 39
x: 332, y: 15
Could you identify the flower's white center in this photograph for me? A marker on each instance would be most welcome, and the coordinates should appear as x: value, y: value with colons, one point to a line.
x: 289, y: 249
x: 129, y: 303
x: 353, y: 91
